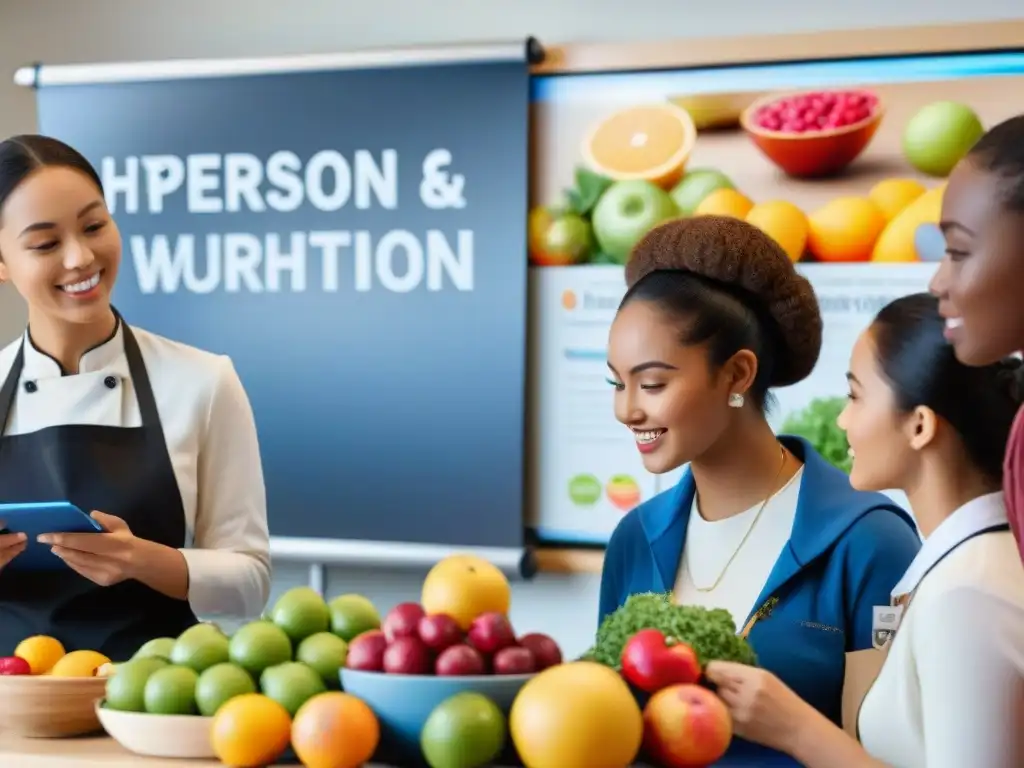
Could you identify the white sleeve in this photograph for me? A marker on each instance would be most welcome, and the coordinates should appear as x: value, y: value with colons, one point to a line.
x: 968, y: 649
x: 229, y: 561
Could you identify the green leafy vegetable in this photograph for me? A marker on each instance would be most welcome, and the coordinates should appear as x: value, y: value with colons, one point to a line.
x: 586, y: 191
x: 710, y: 632
x: 817, y: 424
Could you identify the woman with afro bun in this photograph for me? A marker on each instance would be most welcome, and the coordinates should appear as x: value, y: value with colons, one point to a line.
x: 760, y: 525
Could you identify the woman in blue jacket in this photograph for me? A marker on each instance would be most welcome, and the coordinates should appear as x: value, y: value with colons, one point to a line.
x: 715, y: 315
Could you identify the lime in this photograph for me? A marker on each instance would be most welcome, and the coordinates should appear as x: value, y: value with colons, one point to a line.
x: 291, y: 685
x: 939, y: 135
x: 126, y: 687
x: 171, y: 690
x: 696, y: 185
x: 259, y: 645
x: 351, y: 615
x: 160, y: 647
x: 200, y: 648
x: 465, y: 731
x: 301, y: 612
x: 325, y: 652
x: 220, y: 683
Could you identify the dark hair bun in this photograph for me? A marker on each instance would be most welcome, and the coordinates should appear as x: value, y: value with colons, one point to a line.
x: 749, y: 263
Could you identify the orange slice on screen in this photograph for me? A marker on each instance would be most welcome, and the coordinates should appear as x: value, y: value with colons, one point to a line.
x: 651, y: 143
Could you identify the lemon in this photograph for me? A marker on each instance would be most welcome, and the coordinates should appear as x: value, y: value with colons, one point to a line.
x: 724, y: 202
x: 79, y: 664
x: 784, y: 223
x: 41, y: 652
x: 845, y: 230
x: 897, y: 241
x: 893, y: 195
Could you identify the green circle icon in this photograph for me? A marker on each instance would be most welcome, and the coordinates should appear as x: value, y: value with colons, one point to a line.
x: 584, y: 490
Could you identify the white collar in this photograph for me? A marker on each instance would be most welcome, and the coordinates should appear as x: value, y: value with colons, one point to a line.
x: 972, y: 518
x: 39, y: 365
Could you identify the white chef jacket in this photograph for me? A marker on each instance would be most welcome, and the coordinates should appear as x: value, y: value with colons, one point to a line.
x: 211, y: 440
x: 951, y: 691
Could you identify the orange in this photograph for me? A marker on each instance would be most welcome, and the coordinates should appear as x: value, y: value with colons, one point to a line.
x: 249, y: 731
x: 465, y: 586
x: 41, y: 652
x: 845, y: 230
x: 576, y: 715
x: 724, y: 202
x: 893, y: 195
x: 335, y: 730
x: 784, y: 223
x: 651, y: 143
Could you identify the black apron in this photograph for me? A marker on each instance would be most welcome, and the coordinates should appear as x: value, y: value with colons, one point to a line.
x: 124, y: 472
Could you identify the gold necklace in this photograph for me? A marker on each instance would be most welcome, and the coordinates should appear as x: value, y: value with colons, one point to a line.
x: 746, y: 536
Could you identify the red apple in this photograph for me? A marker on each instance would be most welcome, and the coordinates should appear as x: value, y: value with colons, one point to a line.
x: 686, y: 725
x: 402, y: 621
x: 514, y: 660
x: 490, y: 632
x: 408, y: 656
x: 439, y: 631
x: 546, y: 652
x: 366, y: 651
x: 14, y: 665
x: 459, y: 660
x: 650, y: 661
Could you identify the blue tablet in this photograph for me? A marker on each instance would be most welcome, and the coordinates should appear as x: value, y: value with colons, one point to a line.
x: 38, y: 518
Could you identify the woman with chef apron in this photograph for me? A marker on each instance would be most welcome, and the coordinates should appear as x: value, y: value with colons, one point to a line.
x: 154, y: 439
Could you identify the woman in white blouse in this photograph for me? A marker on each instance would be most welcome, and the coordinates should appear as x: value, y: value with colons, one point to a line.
x: 950, y: 693
x: 154, y: 438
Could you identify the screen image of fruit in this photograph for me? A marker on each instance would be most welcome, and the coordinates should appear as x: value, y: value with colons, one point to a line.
x: 842, y: 162
x: 623, y: 492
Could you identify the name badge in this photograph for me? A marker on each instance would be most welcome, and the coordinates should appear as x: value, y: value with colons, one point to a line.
x: 885, y: 621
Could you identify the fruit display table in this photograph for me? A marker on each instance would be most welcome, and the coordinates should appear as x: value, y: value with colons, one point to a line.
x: 103, y: 752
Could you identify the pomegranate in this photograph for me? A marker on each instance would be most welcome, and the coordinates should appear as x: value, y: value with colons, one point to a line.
x: 816, y: 111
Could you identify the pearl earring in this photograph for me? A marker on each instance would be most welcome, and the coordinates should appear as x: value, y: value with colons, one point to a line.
x: 735, y: 400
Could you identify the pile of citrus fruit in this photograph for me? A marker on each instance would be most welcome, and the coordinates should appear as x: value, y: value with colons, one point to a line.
x: 43, y: 655
x: 878, y: 227
x: 270, y: 685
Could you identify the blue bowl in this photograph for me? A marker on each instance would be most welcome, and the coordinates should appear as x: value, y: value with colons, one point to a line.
x: 403, y: 703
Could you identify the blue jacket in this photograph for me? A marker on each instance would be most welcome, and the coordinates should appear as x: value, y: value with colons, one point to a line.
x: 847, y: 551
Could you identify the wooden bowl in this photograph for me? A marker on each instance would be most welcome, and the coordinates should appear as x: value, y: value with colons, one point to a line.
x: 44, y: 707
x: 183, y: 737
x: 812, y: 153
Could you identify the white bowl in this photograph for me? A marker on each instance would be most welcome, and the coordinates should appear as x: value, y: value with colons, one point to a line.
x: 185, y: 737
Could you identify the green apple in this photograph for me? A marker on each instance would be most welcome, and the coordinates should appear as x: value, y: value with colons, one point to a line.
x: 626, y: 212
x: 558, y: 239
x: 696, y: 185
x: 940, y: 135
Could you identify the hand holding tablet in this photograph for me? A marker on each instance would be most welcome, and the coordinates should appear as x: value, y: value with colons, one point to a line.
x: 33, y: 520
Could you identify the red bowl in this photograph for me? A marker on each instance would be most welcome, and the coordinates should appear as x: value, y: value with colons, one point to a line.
x: 812, y: 153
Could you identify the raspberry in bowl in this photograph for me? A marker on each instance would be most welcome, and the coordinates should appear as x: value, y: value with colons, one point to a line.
x: 814, y: 133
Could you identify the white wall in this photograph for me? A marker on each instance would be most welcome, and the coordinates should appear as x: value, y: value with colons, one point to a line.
x: 58, y: 31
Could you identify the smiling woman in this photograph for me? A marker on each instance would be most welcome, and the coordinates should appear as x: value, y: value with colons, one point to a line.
x: 154, y: 438
x: 762, y: 526
x: 979, y: 280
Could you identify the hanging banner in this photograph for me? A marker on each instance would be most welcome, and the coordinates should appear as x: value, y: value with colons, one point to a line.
x: 354, y: 239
